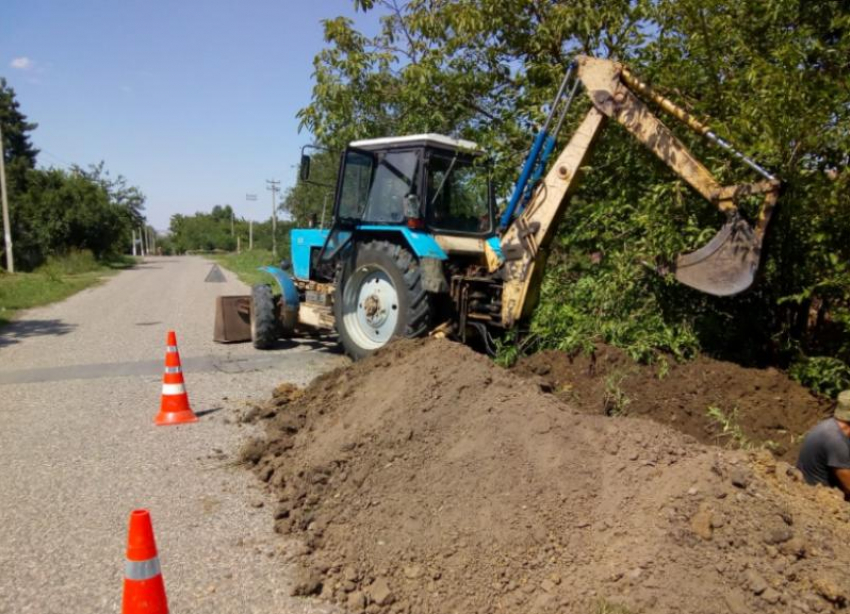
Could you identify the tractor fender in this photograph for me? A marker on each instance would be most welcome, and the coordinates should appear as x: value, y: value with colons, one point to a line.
x: 422, y: 244
x: 426, y: 249
x: 289, y: 299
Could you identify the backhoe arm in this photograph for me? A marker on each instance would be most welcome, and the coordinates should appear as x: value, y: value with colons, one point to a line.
x: 725, y: 266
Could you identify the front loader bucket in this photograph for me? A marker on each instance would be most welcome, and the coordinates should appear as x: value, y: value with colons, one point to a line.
x: 727, y: 264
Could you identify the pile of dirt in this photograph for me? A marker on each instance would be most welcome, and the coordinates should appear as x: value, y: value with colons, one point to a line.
x: 716, y: 402
x: 425, y: 479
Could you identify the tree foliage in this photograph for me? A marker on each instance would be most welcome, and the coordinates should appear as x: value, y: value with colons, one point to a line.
x: 309, y: 202
x: 61, y: 211
x: 772, y: 76
x: 218, y: 231
x: 17, y: 147
x: 54, y: 211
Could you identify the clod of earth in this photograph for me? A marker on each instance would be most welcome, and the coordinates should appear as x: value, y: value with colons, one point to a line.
x: 426, y: 479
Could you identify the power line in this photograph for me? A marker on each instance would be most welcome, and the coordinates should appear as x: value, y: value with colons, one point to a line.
x: 60, y: 161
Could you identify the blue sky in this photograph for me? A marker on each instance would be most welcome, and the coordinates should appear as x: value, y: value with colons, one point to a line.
x: 192, y: 101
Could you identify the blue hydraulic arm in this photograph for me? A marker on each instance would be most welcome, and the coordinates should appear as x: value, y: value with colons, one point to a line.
x: 548, y: 148
x: 535, y: 163
x: 527, y: 170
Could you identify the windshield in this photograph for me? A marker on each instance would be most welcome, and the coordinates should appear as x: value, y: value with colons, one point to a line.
x: 356, y: 179
x: 395, y: 180
x: 375, y: 187
x: 458, y: 195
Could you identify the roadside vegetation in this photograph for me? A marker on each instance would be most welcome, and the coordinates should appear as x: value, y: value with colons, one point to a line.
x: 770, y: 76
x: 55, y: 280
x: 245, y: 264
x: 219, y: 233
x: 219, y: 230
x: 58, y: 214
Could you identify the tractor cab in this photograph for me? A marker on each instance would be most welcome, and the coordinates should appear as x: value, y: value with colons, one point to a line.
x: 426, y: 182
x: 428, y: 192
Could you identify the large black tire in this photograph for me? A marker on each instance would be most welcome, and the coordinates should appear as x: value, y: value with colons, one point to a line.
x: 265, y: 326
x: 385, y: 264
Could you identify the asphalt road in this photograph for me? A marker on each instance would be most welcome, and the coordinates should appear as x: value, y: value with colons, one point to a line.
x: 79, y: 388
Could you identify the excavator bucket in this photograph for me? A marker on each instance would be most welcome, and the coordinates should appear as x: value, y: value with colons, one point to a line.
x: 727, y: 264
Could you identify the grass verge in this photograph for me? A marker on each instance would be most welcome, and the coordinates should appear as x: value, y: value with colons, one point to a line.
x: 245, y: 265
x: 58, y: 279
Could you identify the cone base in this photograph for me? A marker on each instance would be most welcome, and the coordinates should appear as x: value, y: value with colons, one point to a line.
x: 144, y: 597
x: 175, y: 417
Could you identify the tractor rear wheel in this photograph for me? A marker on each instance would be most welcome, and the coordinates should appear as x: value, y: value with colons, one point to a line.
x: 265, y: 326
x: 379, y: 296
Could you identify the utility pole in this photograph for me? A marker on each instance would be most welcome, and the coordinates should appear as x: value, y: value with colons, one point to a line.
x: 250, y: 198
x: 7, y: 228
x: 142, y: 240
x: 133, y: 230
x: 274, y: 187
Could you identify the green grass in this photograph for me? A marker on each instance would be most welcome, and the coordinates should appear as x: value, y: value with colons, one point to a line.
x: 245, y: 265
x: 56, y: 280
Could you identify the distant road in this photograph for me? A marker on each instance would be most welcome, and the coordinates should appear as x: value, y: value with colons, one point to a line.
x: 79, y: 388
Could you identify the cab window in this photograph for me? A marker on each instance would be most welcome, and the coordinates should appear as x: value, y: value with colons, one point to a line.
x: 395, y: 179
x: 356, y: 179
x: 458, y: 195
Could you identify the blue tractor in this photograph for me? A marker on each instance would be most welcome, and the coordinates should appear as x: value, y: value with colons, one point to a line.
x: 409, y: 212
x: 416, y: 243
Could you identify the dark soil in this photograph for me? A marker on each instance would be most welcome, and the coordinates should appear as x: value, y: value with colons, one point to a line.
x: 759, y: 407
x: 425, y: 479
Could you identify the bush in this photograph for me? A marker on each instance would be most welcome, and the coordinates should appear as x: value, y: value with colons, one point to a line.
x: 822, y: 374
x: 75, y: 262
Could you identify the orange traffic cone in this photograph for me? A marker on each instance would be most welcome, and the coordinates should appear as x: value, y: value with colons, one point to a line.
x: 144, y: 590
x: 174, y: 408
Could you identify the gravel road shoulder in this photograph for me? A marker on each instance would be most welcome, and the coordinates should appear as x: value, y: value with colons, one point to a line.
x: 79, y: 454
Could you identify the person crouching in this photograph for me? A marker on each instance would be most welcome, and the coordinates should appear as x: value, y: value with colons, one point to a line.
x: 825, y: 455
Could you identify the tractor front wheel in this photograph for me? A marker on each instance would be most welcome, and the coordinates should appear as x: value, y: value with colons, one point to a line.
x: 265, y: 326
x: 379, y: 296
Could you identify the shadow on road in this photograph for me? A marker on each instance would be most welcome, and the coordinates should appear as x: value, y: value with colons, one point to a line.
x: 206, y: 412
x: 323, y: 344
x: 23, y: 329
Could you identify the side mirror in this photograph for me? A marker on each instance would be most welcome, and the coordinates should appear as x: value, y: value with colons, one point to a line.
x: 304, y: 167
x: 411, y: 206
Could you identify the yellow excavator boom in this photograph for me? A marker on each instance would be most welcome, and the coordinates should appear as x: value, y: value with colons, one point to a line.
x: 725, y: 266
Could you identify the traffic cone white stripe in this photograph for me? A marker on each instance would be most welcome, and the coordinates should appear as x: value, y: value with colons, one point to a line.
x: 142, y: 570
x: 172, y: 389
x: 173, y: 370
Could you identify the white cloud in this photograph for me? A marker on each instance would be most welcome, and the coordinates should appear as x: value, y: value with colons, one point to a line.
x: 22, y: 63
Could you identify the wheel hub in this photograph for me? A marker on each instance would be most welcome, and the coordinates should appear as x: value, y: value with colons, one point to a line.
x: 376, y: 315
x: 371, y: 307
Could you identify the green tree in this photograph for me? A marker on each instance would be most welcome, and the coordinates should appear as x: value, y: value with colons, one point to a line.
x: 212, y: 231
x: 18, y: 151
x: 61, y: 211
x: 54, y: 211
x: 124, y: 196
x: 17, y: 146
x: 772, y: 76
